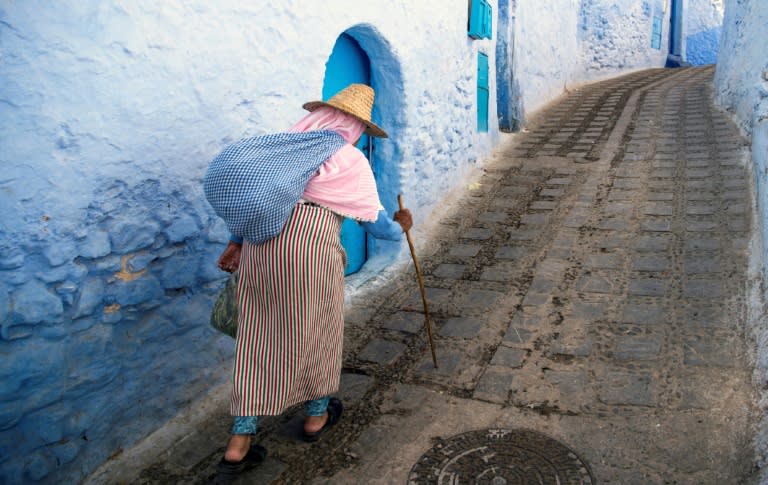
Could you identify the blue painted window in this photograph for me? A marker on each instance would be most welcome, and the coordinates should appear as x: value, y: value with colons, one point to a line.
x: 482, y: 92
x: 480, y: 19
x: 656, y: 34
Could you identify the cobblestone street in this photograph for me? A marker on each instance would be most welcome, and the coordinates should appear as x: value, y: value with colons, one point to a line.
x: 591, y: 287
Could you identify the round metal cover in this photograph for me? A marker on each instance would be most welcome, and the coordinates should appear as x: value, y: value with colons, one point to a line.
x: 500, y: 457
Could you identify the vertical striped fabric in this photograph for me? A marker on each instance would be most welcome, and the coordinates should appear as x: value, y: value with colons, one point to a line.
x: 288, y: 346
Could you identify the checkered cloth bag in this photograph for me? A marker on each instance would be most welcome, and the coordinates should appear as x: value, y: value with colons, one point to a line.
x: 254, y: 183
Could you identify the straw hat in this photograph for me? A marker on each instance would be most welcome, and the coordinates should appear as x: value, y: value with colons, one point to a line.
x: 355, y: 100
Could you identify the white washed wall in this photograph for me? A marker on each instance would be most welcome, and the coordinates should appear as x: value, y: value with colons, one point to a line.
x: 741, y: 87
x: 546, y: 49
x: 564, y: 43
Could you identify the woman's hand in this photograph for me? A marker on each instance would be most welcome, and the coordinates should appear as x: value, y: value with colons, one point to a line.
x: 229, y: 260
x: 404, y: 218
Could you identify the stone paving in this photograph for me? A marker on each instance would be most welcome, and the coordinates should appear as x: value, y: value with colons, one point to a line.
x: 591, y: 288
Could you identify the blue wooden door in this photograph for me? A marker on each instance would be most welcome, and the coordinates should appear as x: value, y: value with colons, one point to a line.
x: 349, y: 64
x: 483, y: 92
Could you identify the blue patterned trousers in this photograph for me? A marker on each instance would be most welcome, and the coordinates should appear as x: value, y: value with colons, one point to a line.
x: 249, y: 424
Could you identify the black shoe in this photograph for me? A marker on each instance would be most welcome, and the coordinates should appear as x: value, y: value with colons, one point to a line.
x: 335, y: 408
x: 227, y: 471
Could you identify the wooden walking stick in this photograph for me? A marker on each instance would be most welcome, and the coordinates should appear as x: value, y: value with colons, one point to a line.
x: 421, y: 288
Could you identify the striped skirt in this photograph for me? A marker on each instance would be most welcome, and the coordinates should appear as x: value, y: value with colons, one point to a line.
x: 290, y: 333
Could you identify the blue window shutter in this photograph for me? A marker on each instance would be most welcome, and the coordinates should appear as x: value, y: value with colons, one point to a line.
x: 482, y: 92
x: 488, y: 24
x: 480, y: 19
x: 656, y: 34
x: 476, y: 19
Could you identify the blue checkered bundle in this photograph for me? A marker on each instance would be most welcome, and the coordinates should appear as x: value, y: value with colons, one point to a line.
x: 254, y: 183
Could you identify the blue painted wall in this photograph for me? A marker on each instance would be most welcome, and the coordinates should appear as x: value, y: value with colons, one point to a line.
x: 109, y: 117
x: 701, y: 47
x: 703, y: 28
x: 107, y: 246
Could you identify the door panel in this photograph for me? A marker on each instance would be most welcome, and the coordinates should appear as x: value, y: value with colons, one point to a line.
x: 483, y: 92
x: 349, y: 64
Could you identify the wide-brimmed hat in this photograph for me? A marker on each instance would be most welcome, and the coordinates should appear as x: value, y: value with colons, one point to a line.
x: 355, y: 100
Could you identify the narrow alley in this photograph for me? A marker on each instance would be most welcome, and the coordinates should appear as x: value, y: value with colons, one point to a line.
x: 590, y: 288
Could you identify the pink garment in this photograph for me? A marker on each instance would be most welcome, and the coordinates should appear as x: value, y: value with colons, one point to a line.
x: 345, y: 182
x: 327, y: 118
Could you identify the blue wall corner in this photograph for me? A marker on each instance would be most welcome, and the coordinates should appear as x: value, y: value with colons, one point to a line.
x: 701, y: 48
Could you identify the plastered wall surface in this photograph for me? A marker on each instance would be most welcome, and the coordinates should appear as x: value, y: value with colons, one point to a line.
x: 741, y: 87
x: 561, y: 44
x: 704, y: 22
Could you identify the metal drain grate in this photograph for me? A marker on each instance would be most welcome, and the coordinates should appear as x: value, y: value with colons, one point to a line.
x: 500, y: 457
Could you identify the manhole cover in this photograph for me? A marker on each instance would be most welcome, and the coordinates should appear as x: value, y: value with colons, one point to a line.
x: 500, y: 457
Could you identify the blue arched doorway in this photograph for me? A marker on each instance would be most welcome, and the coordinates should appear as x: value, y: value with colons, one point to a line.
x: 361, y: 54
x: 348, y: 64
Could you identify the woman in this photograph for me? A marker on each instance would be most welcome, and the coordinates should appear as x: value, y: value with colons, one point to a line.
x: 289, y: 340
